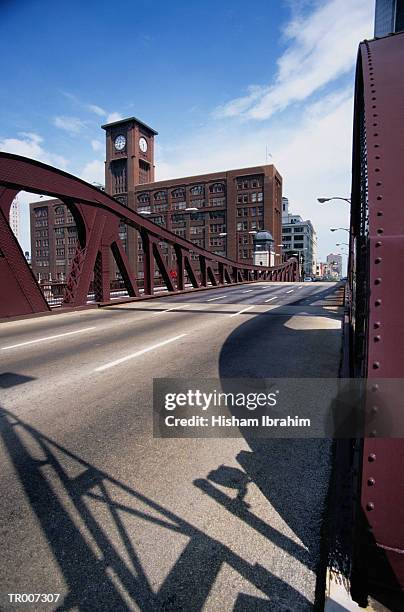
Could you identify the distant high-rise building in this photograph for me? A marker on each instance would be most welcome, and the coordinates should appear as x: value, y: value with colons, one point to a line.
x: 299, y: 236
x: 334, y: 261
x: 15, y: 217
x: 285, y: 209
x: 389, y: 17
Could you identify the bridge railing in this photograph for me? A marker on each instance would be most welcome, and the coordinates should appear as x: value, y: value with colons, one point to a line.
x: 98, y: 217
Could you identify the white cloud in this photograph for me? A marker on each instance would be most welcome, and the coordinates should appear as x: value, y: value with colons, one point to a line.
x: 94, y: 172
x: 312, y: 153
x: 111, y: 117
x: 97, y: 110
x: 30, y: 145
x: 320, y: 48
x: 73, y: 125
x: 97, y: 145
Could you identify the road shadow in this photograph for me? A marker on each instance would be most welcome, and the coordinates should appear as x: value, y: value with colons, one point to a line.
x: 89, y: 556
x: 294, y: 475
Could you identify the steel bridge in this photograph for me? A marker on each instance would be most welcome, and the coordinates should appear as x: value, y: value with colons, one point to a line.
x: 374, y: 295
x: 97, y: 216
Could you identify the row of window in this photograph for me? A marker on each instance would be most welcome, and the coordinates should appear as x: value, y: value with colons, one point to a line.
x: 254, y: 196
x: 243, y: 226
x: 180, y: 192
x: 296, y: 230
x: 252, y: 212
x: 248, y: 183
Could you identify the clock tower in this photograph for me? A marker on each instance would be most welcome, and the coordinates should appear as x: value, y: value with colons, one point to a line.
x: 129, y: 158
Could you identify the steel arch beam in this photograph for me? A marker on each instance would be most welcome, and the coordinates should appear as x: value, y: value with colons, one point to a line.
x: 98, y: 216
x: 376, y: 262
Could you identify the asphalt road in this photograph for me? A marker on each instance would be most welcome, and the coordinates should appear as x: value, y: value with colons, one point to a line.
x: 94, y: 508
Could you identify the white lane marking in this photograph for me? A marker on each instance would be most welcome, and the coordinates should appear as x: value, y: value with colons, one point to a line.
x: 78, y: 331
x: 290, y: 291
x: 169, y: 309
x: 111, y: 364
x: 272, y: 298
x: 240, y: 311
x: 301, y: 287
x: 216, y: 298
x: 248, y: 291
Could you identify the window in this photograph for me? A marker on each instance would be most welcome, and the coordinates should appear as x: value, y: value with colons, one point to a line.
x: 196, y: 229
x: 217, y: 227
x: 245, y: 184
x: 217, y: 201
x: 197, y: 216
x: 143, y: 197
x: 178, y: 193
x: 160, y: 195
x: 178, y: 218
x: 253, y: 211
x: 253, y: 225
x: 298, y: 230
x: 197, y: 190
x: 179, y: 205
x: 254, y: 197
x: 197, y: 203
x: 287, y: 230
x: 217, y: 188
x: 59, y: 210
x: 241, y: 226
x: 242, y: 212
x: 298, y: 245
x: 144, y: 208
x: 215, y: 242
x: 260, y: 197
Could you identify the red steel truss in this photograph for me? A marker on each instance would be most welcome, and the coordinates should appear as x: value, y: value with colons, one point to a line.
x: 377, y: 342
x: 97, y: 216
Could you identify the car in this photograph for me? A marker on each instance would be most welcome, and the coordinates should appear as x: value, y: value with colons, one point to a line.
x: 307, y: 279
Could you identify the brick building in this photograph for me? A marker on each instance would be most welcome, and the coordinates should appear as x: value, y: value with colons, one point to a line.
x: 220, y: 211
x: 53, y: 240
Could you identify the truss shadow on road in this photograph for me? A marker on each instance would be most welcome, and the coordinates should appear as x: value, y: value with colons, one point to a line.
x: 293, y: 474
x: 95, y: 552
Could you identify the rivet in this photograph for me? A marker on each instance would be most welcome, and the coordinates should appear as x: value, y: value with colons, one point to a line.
x: 377, y: 157
x: 378, y: 184
x: 380, y: 230
x: 377, y: 338
x: 375, y: 124
x: 375, y: 409
x: 379, y: 243
x: 376, y: 324
x: 375, y: 387
x: 373, y: 105
x: 371, y: 482
x: 378, y: 281
x: 376, y: 146
x: 370, y: 506
x: 379, y: 212
x: 376, y: 365
x: 378, y: 260
x: 372, y: 457
x: 372, y: 434
x: 375, y: 115
x: 377, y: 169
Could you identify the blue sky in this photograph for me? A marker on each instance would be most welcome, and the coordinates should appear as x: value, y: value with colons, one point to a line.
x: 220, y: 82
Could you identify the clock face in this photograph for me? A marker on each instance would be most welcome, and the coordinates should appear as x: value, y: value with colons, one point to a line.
x: 143, y: 144
x: 120, y: 142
